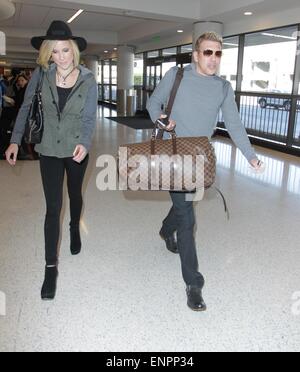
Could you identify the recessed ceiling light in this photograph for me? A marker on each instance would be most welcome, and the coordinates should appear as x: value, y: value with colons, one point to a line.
x: 106, y: 51
x: 248, y: 13
x: 180, y: 31
x: 115, y: 48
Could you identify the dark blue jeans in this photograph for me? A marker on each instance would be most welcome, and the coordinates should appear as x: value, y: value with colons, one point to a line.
x: 181, y: 219
x: 53, y: 171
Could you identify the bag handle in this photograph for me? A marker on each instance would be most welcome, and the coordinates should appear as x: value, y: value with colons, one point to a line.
x: 174, y: 142
x: 179, y: 76
x: 41, y: 79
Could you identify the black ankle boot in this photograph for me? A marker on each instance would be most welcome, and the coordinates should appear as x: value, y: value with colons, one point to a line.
x: 171, y: 243
x: 195, y: 299
x: 75, y: 240
x: 49, y: 286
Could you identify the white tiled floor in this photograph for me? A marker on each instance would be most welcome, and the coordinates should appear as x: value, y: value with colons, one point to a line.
x: 125, y: 291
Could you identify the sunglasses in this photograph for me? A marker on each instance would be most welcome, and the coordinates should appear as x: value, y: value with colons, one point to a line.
x: 209, y: 53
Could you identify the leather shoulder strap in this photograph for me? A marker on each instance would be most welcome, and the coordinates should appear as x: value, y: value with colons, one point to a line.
x: 41, y: 79
x: 179, y: 77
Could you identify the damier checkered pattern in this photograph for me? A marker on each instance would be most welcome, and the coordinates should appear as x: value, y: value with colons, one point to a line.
x: 191, y: 176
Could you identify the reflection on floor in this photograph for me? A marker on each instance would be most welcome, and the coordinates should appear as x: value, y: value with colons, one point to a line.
x: 281, y: 174
x: 125, y: 291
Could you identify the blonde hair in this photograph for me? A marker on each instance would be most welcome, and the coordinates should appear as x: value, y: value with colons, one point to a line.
x: 47, y: 49
x: 208, y: 36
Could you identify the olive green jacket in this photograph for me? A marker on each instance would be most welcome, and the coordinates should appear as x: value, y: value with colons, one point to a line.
x: 62, y: 131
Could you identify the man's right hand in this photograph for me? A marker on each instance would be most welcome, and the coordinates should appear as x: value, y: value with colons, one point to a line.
x: 171, y: 126
x: 12, y: 153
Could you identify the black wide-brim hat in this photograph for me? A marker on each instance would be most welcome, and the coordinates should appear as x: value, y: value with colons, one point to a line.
x: 58, y: 30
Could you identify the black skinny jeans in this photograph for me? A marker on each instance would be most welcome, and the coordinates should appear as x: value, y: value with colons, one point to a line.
x: 181, y: 219
x: 53, y: 172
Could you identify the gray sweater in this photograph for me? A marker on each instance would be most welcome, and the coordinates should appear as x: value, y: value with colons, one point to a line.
x: 197, y: 105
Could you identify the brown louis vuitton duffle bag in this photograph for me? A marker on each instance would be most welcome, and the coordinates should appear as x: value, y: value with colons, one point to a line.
x: 179, y: 164
x: 185, y: 164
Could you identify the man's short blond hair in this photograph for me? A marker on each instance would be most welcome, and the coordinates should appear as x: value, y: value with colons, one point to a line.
x: 208, y: 36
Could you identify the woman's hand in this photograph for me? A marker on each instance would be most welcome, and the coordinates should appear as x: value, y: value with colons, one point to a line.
x: 12, y: 154
x: 80, y: 153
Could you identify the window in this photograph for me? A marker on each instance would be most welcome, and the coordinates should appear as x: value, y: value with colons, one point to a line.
x: 153, y: 54
x: 114, y: 72
x: 106, y: 72
x: 187, y: 49
x: 108, y: 81
x: 114, y: 94
x: 229, y: 63
x: 106, y: 93
x: 269, y: 60
x: 100, y: 73
x: 138, y: 69
x: 100, y: 93
x: 169, y: 52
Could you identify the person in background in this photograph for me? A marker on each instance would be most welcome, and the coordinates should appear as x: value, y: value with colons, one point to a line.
x: 8, y: 112
x: 28, y: 74
x: 2, y: 93
x: 21, y: 84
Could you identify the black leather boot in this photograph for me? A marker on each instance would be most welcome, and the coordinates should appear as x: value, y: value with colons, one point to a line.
x: 49, y: 285
x: 170, y: 243
x: 75, y: 240
x: 195, y: 299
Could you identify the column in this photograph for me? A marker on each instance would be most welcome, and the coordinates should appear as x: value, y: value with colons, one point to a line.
x: 125, y: 78
x: 7, y: 10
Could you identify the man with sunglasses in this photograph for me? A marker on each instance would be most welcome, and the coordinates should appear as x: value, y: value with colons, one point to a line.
x: 201, y: 95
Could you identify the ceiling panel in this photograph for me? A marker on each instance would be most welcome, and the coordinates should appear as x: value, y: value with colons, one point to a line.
x: 96, y: 21
x: 33, y: 16
x: 90, y: 21
x: 57, y: 14
x: 40, y: 16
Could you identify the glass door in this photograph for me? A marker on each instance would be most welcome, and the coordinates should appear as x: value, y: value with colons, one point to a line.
x: 153, y: 75
x: 166, y: 66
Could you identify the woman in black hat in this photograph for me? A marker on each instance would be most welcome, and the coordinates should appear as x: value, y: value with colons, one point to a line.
x: 70, y: 98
